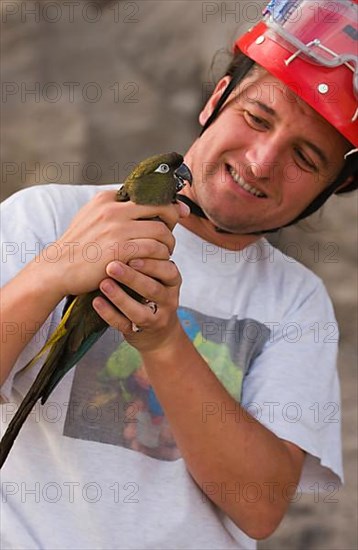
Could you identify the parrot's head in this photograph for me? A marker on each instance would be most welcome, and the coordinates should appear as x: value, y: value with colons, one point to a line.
x: 156, y: 180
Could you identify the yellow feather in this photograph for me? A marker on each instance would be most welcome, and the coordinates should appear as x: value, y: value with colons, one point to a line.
x: 55, y: 337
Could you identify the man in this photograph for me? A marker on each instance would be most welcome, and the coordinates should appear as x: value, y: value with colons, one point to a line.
x: 198, y: 435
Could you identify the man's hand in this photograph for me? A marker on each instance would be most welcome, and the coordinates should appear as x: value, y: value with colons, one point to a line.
x: 105, y: 230
x: 158, y: 280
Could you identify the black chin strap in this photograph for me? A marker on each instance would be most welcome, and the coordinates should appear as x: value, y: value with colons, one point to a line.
x: 350, y: 169
x: 197, y: 211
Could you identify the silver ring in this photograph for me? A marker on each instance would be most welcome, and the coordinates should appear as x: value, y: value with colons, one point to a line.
x: 152, y: 305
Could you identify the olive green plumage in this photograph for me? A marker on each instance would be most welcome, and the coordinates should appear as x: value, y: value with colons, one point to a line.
x: 154, y: 181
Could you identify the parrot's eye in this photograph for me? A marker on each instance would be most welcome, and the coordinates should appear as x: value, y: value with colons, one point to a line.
x: 162, y: 169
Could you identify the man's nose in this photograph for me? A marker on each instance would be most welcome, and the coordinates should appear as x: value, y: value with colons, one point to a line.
x: 262, y: 158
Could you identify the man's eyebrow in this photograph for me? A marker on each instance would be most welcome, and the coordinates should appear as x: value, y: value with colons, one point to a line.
x: 264, y: 107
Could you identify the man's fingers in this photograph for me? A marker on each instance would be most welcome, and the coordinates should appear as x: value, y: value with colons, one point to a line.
x: 145, y: 275
x: 151, y: 289
x: 140, y: 314
x: 166, y: 272
x: 157, y: 282
x: 168, y: 213
x: 145, y: 248
x: 154, y: 230
x: 112, y: 315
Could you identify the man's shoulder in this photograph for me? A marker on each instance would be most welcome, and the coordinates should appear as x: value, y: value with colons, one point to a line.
x: 260, y: 259
x: 60, y: 192
x: 54, y: 204
x: 292, y: 284
x: 260, y: 270
x: 281, y: 260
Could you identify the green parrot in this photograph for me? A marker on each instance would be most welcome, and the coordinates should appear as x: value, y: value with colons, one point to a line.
x: 154, y: 181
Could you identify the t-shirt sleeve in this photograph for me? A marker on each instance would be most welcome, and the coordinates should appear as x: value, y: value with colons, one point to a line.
x: 32, y: 220
x: 28, y: 225
x: 293, y: 389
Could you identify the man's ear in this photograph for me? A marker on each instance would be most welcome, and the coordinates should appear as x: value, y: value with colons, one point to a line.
x: 213, y: 99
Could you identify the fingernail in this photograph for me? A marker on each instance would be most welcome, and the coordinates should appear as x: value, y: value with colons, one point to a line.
x: 106, y: 287
x: 97, y: 304
x: 115, y: 269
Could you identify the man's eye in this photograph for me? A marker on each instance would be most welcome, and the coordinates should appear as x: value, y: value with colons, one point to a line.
x: 305, y: 160
x: 256, y: 122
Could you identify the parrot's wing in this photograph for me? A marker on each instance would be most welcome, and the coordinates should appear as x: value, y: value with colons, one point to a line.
x: 59, y: 333
x: 82, y: 328
x: 79, y: 329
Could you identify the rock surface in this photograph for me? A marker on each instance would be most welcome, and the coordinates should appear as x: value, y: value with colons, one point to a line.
x: 89, y: 88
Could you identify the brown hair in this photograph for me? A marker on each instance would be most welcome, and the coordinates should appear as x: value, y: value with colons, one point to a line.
x: 238, y: 68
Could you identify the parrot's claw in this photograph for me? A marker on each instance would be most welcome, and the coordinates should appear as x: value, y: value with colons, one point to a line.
x: 135, y: 328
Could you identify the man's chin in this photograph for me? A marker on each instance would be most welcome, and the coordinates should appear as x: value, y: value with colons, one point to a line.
x: 222, y: 226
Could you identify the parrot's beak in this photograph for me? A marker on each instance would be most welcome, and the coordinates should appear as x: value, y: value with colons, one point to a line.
x: 182, y: 174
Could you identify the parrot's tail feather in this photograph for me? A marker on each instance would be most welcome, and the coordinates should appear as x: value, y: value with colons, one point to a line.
x: 59, y: 333
x: 21, y: 414
x: 38, y: 388
x: 45, y: 382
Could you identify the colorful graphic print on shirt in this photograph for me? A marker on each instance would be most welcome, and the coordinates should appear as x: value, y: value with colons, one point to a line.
x: 112, y: 400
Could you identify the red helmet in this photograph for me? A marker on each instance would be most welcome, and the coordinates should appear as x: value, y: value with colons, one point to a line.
x: 313, y: 48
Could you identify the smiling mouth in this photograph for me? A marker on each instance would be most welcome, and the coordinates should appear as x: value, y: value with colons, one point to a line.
x: 244, y: 185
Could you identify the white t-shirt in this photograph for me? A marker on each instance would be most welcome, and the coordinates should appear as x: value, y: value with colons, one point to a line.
x: 97, y: 465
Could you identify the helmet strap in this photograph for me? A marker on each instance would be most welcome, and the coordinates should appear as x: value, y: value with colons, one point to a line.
x: 350, y: 168
x: 236, y: 77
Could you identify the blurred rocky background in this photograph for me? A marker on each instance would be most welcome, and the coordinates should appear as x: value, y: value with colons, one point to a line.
x: 90, y: 88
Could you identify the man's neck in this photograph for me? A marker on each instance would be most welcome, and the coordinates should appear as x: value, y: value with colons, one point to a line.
x: 206, y: 230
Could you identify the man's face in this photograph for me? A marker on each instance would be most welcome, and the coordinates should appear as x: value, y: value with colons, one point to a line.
x: 264, y: 159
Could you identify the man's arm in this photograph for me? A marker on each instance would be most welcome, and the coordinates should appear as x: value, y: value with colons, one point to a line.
x: 26, y: 302
x: 227, y: 451
x: 30, y: 296
x: 218, y: 452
